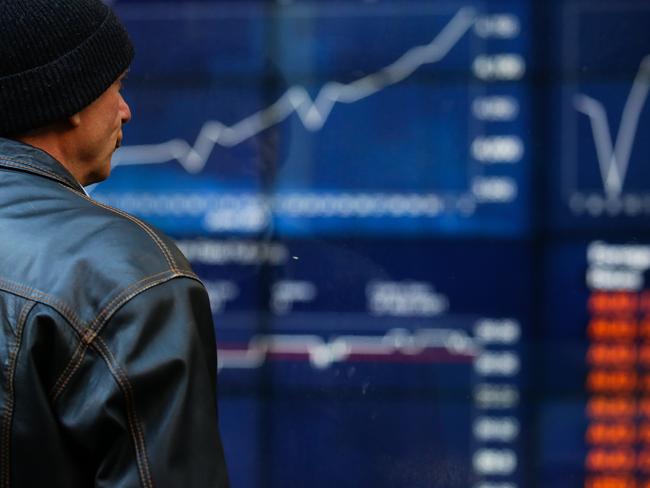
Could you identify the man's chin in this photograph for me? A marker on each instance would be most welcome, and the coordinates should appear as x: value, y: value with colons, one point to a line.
x: 94, y: 181
x: 99, y: 176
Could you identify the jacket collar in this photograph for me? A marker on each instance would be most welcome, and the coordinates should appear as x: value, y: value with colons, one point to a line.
x: 23, y: 157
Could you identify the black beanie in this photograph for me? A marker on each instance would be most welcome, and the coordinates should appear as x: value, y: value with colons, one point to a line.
x: 56, y: 57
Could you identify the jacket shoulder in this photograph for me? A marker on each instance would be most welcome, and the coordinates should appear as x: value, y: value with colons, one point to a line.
x: 143, y: 246
x: 68, y: 249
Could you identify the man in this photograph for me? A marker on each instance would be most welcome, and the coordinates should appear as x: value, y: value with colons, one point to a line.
x: 107, y: 352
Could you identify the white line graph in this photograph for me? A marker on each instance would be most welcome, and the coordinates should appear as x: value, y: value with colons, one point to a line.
x: 614, y: 158
x: 313, y: 113
x: 323, y: 353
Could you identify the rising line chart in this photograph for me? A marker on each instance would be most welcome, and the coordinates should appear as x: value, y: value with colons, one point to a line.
x: 313, y: 113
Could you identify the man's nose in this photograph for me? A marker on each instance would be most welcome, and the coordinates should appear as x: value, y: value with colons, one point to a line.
x: 125, y: 111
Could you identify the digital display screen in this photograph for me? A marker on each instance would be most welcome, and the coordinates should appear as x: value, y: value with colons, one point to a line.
x: 601, y: 177
x: 422, y: 228
x: 340, y: 118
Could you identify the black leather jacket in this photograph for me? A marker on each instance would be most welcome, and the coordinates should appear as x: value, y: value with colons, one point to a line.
x: 106, y: 343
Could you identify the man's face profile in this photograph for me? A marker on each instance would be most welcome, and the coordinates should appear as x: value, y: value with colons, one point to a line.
x: 98, y: 132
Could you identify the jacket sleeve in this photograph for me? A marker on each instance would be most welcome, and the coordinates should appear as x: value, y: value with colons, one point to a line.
x: 145, y: 409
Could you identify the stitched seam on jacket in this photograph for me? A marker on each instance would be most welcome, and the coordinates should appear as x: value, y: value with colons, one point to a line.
x: 5, y: 475
x: 90, y: 333
x: 135, y: 430
x: 13, y: 163
x: 126, y: 298
x: 69, y: 371
x: 161, y: 245
x: 39, y: 296
x: 130, y: 291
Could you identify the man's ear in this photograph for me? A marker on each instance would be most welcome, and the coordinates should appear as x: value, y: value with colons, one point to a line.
x: 75, y: 120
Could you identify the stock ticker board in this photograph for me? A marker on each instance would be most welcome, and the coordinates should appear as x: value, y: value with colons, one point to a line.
x: 421, y: 225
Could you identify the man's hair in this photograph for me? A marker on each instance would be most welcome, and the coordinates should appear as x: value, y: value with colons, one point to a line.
x: 56, y: 57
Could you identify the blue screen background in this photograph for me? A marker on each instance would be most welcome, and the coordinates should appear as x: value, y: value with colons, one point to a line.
x: 392, y: 205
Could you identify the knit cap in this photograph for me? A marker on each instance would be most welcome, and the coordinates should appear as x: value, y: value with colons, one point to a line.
x: 56, y: 57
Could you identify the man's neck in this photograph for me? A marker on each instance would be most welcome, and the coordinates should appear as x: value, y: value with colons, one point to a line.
x: 54, y: 142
